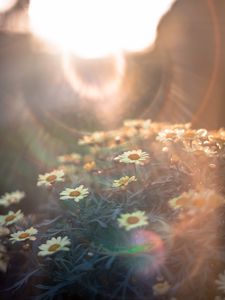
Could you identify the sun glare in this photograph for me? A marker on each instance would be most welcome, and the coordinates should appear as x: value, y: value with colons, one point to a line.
x: 6, y: 5
x: 97, y: 28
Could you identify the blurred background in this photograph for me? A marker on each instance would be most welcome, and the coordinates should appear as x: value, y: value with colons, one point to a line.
x: 48, y: 98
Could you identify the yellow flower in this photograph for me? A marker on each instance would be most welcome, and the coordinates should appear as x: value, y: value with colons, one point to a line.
x: 161, y: 288
x: 11, y: 217
x: 75, y: 194
x: 133, y: 220
x: 10, y: 198
x: 136, y: 157
x: 70, y: 158
x: 54, y: 245
x: 123, y: 181
x: 89, y: 166
x: 24, y: 235
x: 50, y: 178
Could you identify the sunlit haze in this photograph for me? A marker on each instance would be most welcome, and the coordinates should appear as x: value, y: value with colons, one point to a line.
x: 6, y: 5
x: 97, y: 28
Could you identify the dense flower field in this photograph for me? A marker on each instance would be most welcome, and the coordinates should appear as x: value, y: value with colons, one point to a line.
x: 138, y: 213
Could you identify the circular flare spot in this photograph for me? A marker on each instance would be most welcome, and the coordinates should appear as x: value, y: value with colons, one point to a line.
x: 132, y: 220
x: 53, y: 247
x: 134, y: 156
x: 51, y: 178
x: 75, y: 194
x: 24, y: 235
x: 107, y: 84
x: 10, y: 218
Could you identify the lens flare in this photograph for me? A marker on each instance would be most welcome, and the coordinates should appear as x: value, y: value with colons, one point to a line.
x: 152, y: 248
x: 100, y: 86
x: 6, y: 5
x: 97, y: 28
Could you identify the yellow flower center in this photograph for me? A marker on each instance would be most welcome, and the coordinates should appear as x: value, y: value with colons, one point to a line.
x: 10, y: 218
x: 74, y: 194
x: 53, y: 247
x: 132, y: 220
x: 189, y: 134
x: 134, y: 156
x: 123, y: 181
x: 51, y: 178
x: 12, y: 199
x: 170, y: 135
x: 24, y: 235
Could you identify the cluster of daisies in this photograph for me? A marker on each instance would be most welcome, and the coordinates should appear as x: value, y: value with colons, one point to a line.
x: 199, y: 142
x: 51, y: 246
x: 195, y: 141
x: 128, y: 220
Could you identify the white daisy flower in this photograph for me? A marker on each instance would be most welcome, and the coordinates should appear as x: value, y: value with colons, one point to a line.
x: 136, y: 157
x: 161, y: 288
x: 169, y: 135
x: 50, y: 178
x: 27, y: 234
x: 76, y: 194
x: 70, y: 158
x: 11, y: 198
x: 123, y: 181
x: 54, y: 245
x: 220, y: 282
x: 11, y: 217
x: 133, y: 220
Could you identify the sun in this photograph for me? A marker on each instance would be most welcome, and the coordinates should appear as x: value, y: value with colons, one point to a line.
x: 97, y: 28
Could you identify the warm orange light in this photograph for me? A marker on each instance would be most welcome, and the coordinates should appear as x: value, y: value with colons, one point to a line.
x: 97, y: 28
